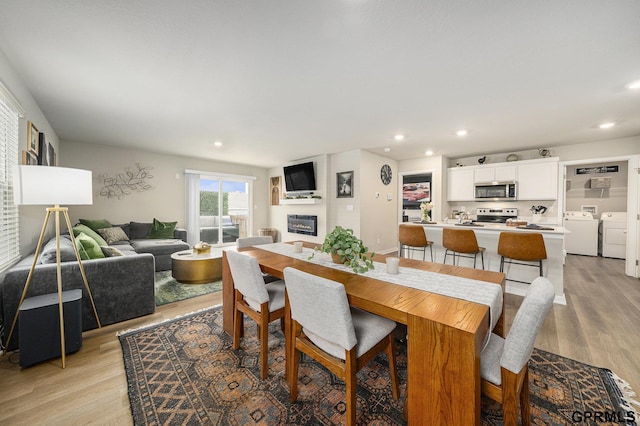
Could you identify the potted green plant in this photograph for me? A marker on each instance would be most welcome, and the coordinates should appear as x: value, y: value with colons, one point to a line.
x: 345, y: 247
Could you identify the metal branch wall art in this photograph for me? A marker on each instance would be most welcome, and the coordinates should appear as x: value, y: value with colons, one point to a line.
x: 134, y: 179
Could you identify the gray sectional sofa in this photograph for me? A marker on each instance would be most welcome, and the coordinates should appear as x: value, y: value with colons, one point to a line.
x: 122, y: 286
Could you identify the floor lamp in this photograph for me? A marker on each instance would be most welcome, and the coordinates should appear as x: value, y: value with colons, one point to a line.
x: 41, y: 185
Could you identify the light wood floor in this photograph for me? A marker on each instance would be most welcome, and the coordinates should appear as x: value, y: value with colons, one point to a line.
x: 600, y: 326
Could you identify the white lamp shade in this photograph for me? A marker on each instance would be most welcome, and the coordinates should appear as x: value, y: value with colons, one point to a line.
x: 41, y: 185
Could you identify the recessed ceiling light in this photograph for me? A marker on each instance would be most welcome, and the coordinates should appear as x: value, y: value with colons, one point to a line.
x: 399, y: 137
x: 217, y: 144
x: 462, y: 133
x: 607, y: 125
x: 387, y: 150
x: 429, y: 152
x: 634, y: 85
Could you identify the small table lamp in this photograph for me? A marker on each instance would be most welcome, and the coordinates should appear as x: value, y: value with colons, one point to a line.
x: 40, y: 185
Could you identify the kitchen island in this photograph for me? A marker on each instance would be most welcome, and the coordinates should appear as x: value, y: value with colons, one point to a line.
x: 487, y: 235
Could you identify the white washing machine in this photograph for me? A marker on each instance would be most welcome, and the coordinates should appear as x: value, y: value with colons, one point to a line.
x: 583, y: 236
x: 614, y: 234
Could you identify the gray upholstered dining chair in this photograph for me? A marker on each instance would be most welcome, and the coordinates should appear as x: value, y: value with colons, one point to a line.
x: 253, y: 241
x: 342, y: 338
x: 262, y: 302
x: 504, y: 363
x: 256, y: 241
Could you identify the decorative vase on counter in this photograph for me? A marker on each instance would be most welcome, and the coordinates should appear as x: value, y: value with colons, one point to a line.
x: 536, y: 217
x: 426, y: 217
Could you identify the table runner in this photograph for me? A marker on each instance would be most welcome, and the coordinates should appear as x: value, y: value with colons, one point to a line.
x: 488, y: 294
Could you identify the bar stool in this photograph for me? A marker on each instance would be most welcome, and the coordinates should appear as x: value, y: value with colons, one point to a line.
x: 413, y: 237
x: 463, y: 243
x: 523, y: 247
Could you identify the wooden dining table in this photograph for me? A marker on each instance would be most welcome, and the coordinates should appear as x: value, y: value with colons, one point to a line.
x: 445, y: 335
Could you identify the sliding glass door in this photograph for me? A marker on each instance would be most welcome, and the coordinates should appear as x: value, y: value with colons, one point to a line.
x: 218, y: 208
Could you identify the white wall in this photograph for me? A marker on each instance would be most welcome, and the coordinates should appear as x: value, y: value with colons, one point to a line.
x: 166, y: 199
x: 379, y: 215
x: 278, y: 214
x: 345, y: 212
x: 590, y: 150
x: 31, y: 217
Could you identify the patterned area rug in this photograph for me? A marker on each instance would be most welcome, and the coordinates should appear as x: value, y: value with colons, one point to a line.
x: 184, y: 371
x: 169, y: 290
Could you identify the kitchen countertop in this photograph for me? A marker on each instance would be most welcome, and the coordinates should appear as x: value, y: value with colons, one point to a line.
x: 496, y: 227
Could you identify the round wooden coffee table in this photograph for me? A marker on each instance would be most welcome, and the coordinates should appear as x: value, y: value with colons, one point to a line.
x: 190, y: 268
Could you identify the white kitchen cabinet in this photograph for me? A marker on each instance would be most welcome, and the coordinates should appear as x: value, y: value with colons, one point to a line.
x: 538, y: 181
x: 460, y: 184
x: 484, y: 174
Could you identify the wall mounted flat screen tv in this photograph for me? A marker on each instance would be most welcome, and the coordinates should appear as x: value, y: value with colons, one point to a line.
x: 300, y: 177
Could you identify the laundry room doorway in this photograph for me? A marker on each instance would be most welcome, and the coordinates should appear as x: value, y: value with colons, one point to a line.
x: 604, y: 186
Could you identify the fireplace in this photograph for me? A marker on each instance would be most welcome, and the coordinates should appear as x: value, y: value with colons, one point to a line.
x: 302, y: 224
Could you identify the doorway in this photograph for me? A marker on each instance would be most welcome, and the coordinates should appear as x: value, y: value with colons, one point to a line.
x: 597, y: 186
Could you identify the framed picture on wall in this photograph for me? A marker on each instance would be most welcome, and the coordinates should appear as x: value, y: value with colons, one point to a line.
x: 28, y: 159
x: 344, y: 184
x: 33, y: 138
x: 51, y: 153
x: 43, y: 151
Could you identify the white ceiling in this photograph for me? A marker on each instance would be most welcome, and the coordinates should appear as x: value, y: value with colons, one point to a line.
x: 281, y: 80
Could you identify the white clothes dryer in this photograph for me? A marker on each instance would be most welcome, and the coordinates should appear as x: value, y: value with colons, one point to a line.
x: 614, y: 234
x: 583, y: 235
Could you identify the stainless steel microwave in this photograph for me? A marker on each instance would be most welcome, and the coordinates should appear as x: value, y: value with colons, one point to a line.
x: 496, y: 191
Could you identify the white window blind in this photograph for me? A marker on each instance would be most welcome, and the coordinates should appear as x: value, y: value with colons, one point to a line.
x: 9, y: 218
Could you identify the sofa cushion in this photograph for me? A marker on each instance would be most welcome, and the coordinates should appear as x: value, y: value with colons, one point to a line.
x: 113, y: 235
x: 81, y: 251
x: 96, y: 224
x: 162, y: 229
x: 111, y: 251
x: 90, y: 232
x: 48, y: 253
x: 139, y: 230
x: 125, y: 228
x: 90, y: 246
x: 159, y: 246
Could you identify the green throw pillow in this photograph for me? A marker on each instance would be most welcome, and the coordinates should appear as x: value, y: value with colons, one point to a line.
x: 81, y: 250
x: 162, y: 229
x: 90, y: 246
x: 90, y: 232
x: 96, y: 224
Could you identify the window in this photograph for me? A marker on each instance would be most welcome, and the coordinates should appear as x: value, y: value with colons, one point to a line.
x: 10, y: 112
x: 217, y: 207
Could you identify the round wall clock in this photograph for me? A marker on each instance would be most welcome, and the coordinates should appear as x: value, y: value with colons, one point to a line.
x: 385, y: 174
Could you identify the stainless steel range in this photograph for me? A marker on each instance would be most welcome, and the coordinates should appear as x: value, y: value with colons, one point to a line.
x: 495, y: 215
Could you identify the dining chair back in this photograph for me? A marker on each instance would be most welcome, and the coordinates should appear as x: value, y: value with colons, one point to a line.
x: 261, y: 302
x: 461, y: 243
x: 520, y: 247
x: 256, y: 241
x: 341, y: 338
x: 413, y: 237
x: 253, y: 241
x: 504, y: 362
